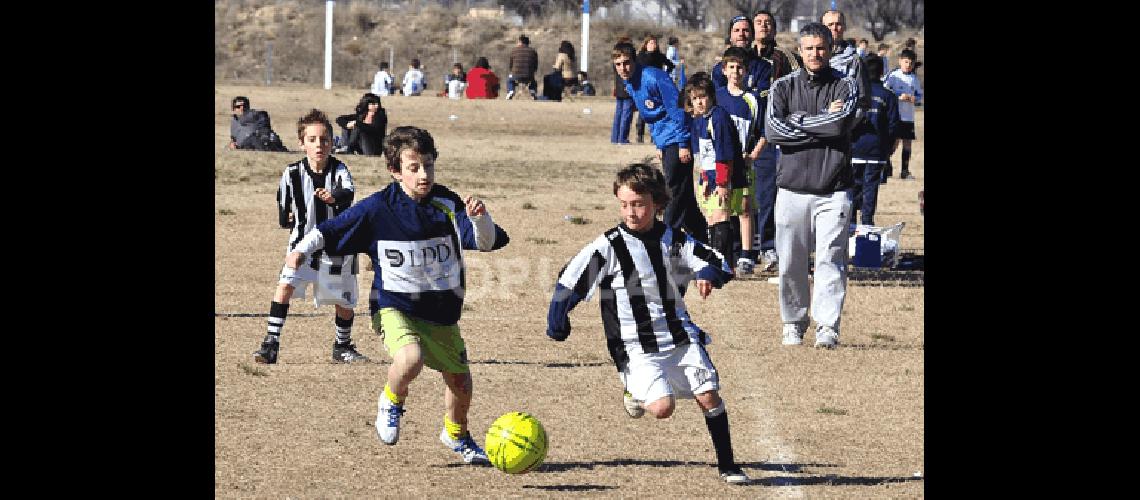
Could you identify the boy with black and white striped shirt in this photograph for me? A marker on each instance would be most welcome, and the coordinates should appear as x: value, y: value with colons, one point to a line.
x: 639, y: 267
x: 312, y: 190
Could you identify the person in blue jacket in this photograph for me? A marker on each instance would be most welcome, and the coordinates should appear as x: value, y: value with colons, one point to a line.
x: 656, y: 98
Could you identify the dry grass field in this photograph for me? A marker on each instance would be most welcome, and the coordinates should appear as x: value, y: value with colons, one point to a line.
x: 847, y: 423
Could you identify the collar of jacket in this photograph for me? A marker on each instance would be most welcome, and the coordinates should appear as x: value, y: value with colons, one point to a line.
x: 824, y: 75
x: 762, y: 51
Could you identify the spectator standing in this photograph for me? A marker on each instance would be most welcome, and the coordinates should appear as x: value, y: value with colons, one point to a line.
x: 810, y: 115
x: 650, y: 55
x: 623, y: 108
x: 523, y: 63
x: 758, y: 72
x: 655, y: 96
x: 672, y: 53
x: 845, y: 59
x: 904, y: 82
x: 782, y: 61
x: 873, y: 145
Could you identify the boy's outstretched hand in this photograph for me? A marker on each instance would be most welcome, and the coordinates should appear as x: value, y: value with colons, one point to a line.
x: 475, y: 206
x: 704, y: 287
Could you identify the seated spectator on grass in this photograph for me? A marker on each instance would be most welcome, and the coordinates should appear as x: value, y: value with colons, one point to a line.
x: 482, y: 83
x: 250, y: 128
x: 363, y: 131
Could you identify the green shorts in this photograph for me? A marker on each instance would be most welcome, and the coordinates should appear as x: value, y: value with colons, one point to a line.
x: 443, y: 348
x: 736, y: 197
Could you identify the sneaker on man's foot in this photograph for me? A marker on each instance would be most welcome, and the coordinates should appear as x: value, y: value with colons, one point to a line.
x: 510, y: 95
x: 826, y: 337
x: 268, y: 352
x: 341, y: 150
x: 769, y: 260
x: 745, y: 266
x: 793, y: 334
x: 465, y: 447
x: 905, y: 174
x: 733, y: 475
x: 632, y: 406
x: 347, y: 353
x: 388, y: 420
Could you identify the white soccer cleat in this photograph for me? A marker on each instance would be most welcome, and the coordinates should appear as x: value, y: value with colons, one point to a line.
x: 465, y: 447
x: 793, y: 335
x: 826, y: 337
x: 388, y: 420
x: 632, y: 406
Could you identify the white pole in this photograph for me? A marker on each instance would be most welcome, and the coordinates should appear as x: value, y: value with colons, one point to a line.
x: 585, y: 35
x: 269, y: 63
x: 328, y: 43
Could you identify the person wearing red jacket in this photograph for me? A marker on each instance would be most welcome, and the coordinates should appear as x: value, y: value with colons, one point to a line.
x: 482, y: 83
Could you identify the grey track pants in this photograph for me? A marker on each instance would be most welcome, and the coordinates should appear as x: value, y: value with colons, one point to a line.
x: 805, y: 221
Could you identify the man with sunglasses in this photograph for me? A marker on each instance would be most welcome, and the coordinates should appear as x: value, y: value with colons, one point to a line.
x: 242, y: 125
x: 251, y: 129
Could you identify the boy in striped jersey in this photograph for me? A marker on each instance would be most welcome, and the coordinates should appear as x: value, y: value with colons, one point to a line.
x: 312, y: 190
x: 414, y: 231
x: 639, y: 266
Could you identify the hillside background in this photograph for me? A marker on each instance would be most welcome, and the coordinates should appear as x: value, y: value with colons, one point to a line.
x: 366, y: 32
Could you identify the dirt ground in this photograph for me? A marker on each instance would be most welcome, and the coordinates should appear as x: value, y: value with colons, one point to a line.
x: 846, y: 423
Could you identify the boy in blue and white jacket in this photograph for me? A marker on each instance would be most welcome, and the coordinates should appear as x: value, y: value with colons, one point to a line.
x: 415, y: 231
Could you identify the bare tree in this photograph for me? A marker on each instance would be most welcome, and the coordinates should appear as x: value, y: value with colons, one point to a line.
x: 782, y: 10
x: 885, y: 16
x: 538, y: 8
x: 689, y: 14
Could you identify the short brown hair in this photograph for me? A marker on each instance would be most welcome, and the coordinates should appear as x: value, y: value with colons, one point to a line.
x: 624, y: 49
x: 701, y: 82
x: 401, y: 138
x: 643, y: 178
x: 313, y: 117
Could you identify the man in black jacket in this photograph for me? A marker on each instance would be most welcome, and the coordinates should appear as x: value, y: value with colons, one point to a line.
x: 810, y: 115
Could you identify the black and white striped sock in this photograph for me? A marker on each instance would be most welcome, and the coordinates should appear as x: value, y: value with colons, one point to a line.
x: 344, y: 329
x: 277, y: 314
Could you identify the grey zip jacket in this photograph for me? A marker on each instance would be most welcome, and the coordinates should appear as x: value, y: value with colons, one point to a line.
x: 815, y: 145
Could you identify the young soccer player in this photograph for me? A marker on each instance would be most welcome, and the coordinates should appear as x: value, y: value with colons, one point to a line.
x: 312, y: 190
x: 744, y: 108
x: 415, y: 231
x: 658, y: 351
x: 904, y: 83
x: 716, y: 143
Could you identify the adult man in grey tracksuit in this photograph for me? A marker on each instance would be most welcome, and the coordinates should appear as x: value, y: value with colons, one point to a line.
x: 810, y: 115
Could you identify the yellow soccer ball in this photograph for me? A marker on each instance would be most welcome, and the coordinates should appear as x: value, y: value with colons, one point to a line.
x: 516, y: 443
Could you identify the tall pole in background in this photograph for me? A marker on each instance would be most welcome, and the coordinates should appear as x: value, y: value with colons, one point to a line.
x: 585, y: 35
x: 328, y: 43
x: 269, y: 63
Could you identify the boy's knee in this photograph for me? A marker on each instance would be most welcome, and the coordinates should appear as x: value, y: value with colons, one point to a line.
x: 662, y: 408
